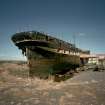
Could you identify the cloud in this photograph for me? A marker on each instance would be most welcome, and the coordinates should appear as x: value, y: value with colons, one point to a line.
x: 3, y: 57
x: 81, y: 34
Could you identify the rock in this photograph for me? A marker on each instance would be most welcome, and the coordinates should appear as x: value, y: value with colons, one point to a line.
x: 12, y: 102
x: 19, y: 103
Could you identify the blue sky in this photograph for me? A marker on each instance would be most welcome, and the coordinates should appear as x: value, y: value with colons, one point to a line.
x: 60, y: 18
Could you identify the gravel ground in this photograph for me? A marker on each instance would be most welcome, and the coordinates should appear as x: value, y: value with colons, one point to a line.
x: 85, y: 88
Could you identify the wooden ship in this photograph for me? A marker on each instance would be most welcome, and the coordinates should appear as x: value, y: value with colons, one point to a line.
x: 47, y: 55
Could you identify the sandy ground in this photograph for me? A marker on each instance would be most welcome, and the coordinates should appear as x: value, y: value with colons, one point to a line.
x: 85, y: 88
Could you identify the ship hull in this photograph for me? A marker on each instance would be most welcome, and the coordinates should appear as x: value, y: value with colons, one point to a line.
x: 44, y: 63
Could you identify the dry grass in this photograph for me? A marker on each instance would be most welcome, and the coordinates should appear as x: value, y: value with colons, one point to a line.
x: 17, y: 89
x: 10, y: 72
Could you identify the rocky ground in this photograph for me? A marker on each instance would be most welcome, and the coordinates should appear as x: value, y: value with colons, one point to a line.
x: 16, y: 88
